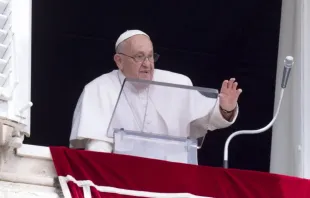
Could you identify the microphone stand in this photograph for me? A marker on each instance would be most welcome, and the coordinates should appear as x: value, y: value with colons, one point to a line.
x: 288, y: 63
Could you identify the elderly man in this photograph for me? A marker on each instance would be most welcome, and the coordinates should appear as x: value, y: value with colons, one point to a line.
x: 135, y: 59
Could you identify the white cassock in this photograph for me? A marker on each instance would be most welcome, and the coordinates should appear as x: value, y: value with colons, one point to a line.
x: 160, y: 110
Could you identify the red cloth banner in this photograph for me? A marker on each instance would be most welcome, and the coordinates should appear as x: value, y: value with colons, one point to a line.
x: 85, y: 174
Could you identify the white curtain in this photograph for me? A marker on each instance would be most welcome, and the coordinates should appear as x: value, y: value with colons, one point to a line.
x: 290, y: 150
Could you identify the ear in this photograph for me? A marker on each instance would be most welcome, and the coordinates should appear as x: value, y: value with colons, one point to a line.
x: 118, y: 61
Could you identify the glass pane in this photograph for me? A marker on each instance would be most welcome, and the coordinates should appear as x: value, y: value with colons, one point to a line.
x: 163, y: 109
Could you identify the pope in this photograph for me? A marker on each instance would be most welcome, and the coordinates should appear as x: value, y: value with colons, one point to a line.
x: 154, y: 111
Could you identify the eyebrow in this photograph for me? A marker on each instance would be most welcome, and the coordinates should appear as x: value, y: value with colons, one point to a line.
x: 141, y: 52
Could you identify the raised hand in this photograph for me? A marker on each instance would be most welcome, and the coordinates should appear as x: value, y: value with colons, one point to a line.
x: 229, y: 94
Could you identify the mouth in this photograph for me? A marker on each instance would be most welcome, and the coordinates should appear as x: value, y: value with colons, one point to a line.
x: 145, y: 72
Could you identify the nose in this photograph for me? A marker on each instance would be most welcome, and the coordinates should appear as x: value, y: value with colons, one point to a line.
x: 147, y: 62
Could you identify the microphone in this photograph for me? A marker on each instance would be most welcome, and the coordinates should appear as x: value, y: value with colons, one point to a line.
x: 288, y: 63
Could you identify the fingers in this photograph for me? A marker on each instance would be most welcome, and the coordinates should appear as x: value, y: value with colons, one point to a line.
x: 234, y: 86
x: 230, y: 83
x: 224, y: 85
x: 239, y: 91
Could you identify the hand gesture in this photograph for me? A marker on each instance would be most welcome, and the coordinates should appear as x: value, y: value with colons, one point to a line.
x: 229, y: 95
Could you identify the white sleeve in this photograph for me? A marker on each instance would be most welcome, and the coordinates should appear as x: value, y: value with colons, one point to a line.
x: 99, y: 146
x: 206, y: 115
x: 91, y: 116
x: 217, y: 121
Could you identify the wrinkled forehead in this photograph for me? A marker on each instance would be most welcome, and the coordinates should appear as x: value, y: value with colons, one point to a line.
x: 139, y: 44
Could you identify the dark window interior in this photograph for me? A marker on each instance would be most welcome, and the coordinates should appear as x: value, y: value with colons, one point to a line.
x: 209, y: 41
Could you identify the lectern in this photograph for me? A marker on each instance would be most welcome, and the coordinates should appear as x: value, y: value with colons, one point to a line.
x: 161, y: 121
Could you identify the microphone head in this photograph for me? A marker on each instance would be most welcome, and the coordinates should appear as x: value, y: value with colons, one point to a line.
x: 289, y: 61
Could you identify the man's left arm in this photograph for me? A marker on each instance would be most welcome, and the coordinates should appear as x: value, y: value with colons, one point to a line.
x: 226, y: 109
x: 223, y: 114
x: 228, y: 115
x: 228, y: 99
x: 220, y: 118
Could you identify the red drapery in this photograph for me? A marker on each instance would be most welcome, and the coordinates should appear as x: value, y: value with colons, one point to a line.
x: 112, y: 175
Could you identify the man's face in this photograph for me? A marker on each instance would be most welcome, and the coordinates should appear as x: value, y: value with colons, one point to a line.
x: 135, y: 58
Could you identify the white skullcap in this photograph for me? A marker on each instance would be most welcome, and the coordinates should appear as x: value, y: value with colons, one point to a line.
x: 127, y: 35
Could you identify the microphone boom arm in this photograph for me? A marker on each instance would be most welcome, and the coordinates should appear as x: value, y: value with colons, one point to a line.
x: 288, y: 63
x: 251, y: 131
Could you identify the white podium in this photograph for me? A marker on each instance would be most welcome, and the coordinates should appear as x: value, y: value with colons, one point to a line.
x: 161, y: 120
x: 153, y: 146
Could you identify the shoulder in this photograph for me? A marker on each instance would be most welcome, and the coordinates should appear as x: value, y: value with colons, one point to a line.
x: 104, y: 85
x: 171, y: 77
x: 106, y: 80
